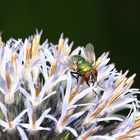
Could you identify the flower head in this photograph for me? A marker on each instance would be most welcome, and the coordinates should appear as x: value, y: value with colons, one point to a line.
x: 49, y: 91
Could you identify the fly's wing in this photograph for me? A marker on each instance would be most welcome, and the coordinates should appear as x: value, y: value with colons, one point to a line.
x: 67, y: 64
x: 89, y: 53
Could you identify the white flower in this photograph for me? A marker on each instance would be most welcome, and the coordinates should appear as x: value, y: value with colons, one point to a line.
x: 34, y: 123
x: 10, y: 125
x: 116, y: 96
x: 37, y: 78
x: 36, y: 95
x: 72, y: 96
x: 56, y: 54
x: 130, y: 127
x: 10, y: 76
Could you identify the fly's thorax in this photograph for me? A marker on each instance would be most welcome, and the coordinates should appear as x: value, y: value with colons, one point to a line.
x: 74, y: 60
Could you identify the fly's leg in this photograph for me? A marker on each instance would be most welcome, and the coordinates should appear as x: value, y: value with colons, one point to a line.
x: 88, y: 83
x: 94, y: 79
x: 93, y: 89
x: 76, y: 77
x: 79, y: 53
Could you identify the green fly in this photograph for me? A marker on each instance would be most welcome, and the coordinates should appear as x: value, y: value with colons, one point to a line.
x: 83, y: 67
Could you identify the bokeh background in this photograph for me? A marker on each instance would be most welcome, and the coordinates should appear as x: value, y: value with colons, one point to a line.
x: 111, y: 25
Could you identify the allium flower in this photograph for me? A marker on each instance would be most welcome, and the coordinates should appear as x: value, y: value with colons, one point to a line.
x: 49, y: 91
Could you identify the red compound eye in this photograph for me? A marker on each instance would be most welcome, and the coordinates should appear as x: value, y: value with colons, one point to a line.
x: 95, y: 72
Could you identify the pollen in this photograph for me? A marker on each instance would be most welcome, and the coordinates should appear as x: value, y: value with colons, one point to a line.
x: 53, y: 68
x: 73, y: 94
x: 69, y: 113
x: 127, y: 136
x: 60, y: 45
x: 33, y: 121
x: 35, y: 46
x: 8, y: 80
x: 97, y: 111
x: 90, y: 133
x: 28, y: 55
x: 37, y: 90
x: 13, y: 59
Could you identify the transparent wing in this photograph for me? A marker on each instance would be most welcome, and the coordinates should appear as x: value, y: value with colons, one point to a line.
x: 89, y: 53
x: 67, y: 64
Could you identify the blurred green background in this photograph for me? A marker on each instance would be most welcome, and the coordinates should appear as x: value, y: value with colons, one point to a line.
x: 111, y: 25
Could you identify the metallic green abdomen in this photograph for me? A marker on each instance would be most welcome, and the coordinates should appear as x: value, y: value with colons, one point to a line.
x: 83, y: 67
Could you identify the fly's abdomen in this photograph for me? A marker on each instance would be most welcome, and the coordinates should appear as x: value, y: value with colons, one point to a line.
x: 83, y: 67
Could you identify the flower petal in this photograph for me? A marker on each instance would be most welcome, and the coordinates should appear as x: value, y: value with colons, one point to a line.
x: 22, y: 133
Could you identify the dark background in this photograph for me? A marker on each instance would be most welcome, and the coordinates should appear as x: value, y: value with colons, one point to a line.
x: 111, y: 25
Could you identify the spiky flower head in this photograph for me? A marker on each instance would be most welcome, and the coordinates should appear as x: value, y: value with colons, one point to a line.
x: 45, y: 94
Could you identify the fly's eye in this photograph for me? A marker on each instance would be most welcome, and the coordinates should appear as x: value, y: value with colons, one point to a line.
x: 95, y: 72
